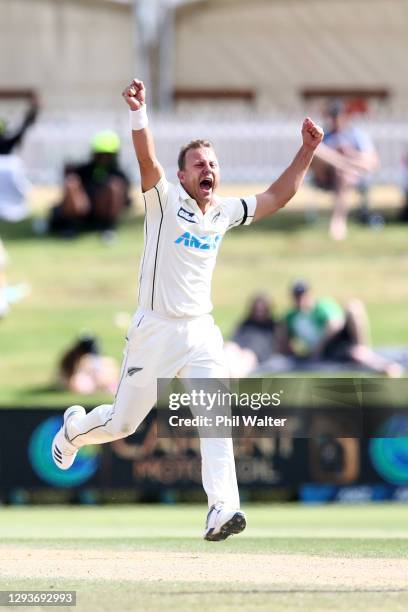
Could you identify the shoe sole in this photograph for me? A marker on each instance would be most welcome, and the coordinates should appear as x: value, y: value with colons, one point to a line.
x: 235, y: 525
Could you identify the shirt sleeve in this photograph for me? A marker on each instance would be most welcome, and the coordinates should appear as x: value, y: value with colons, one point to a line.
x: 327, y: 310
x: 362, y: 141
x: 156, y: 198
x: 241, y: 211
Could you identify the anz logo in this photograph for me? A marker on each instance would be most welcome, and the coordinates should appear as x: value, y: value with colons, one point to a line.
x: 207, y: 243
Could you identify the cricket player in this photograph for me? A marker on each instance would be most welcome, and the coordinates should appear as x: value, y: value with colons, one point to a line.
x: 172, y: 332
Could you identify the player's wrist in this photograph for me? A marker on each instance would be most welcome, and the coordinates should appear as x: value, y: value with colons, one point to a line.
x: 138, y: 118
x: 308, y: 148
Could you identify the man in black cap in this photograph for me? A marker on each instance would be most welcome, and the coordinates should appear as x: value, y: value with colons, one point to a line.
x: 343, y: 161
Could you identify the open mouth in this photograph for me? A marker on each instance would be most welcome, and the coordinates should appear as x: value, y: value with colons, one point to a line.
x: 206, y: 184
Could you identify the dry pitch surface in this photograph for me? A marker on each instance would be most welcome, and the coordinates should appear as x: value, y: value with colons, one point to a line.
x: 151, y: 557
x: 301, y: 571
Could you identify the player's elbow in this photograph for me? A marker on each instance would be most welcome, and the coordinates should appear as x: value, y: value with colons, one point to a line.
x: 280, y: 197
x: 291, y: 194
x: 269, y: 203
x: 281, y: 203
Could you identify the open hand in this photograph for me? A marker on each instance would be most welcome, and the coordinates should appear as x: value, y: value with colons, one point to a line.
x: 135, y: 94
x: 312, y: 133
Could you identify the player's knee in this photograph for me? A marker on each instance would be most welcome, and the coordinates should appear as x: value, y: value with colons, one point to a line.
x: 355, y: 306
x: 116, y: 188
x: 123, y: 429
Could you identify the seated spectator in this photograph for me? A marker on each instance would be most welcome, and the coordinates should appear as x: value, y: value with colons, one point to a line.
x: 321, y: 329
x: 254, y: 340
x: 343, y: 161
x: 84, y: 370
x: 95, y: 193
x: 13, y: 181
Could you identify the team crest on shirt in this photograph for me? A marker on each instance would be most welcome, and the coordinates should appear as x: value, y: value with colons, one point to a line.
x: 192, y: 241
x: 187, y: 215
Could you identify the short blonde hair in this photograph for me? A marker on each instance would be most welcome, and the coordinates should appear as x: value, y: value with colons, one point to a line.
x: 194, y: 144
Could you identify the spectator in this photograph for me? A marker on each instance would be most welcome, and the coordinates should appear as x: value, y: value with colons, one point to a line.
x: 3, y: 281
x: 95, y: 193
x: 343, y: 161
x: 82, y: 369
x: 321, y: 329
x: 13, y: 181
x: 404, y: 211
x: 9, y: 294
x: 254, y: 340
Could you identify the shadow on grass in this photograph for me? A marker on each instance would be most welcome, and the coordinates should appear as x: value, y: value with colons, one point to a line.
x: 23, y: 231
x: 50, y: 396
x: 293, y: 220
x: 41, y: 389
x: 17, y: 231
x: 287, y: 221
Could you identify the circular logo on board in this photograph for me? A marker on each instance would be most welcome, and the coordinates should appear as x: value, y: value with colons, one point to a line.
x: 389, y: 455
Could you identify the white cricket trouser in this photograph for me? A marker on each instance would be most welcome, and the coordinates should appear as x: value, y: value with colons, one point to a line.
x: 165, y: 348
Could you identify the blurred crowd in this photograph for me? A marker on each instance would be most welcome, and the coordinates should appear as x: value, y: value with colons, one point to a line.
x: 96, y: 194
x: 314, y: 330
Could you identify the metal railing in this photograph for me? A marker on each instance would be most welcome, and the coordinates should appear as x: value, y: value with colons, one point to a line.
x: 250, y: 148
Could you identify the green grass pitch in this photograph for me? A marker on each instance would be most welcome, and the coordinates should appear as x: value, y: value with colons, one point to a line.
x: 153, y: 557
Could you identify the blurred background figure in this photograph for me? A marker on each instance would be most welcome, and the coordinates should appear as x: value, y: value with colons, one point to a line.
x: 320, y: 329
x: 404, y: 212
x: 9, y: 294
x: 82, y: 369
x: 343, y: 162
x: 95, y: 194
x: 3, y: 281
x: 254, y: 340
x: 14, y: 184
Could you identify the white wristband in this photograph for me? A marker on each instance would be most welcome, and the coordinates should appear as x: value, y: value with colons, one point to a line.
x: 138, y: 119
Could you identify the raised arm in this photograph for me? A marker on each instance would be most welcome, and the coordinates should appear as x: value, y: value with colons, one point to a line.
x: 9, y: 141
x: 285, y: 187
x: 354, y: 161
x: 150, y: 169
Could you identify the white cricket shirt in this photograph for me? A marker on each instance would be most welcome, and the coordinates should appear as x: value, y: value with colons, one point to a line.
x: 181, y: 246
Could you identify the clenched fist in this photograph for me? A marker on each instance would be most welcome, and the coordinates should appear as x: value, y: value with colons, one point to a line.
x: 312, y: 133
x: 135, y: 94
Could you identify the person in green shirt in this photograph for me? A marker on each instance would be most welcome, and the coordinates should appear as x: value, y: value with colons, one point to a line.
x: 321, y: 329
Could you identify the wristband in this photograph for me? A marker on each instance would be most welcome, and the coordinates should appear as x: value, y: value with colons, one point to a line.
x: 138, y: 119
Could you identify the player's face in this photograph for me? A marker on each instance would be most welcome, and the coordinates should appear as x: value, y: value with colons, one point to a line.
x: 201, y: 174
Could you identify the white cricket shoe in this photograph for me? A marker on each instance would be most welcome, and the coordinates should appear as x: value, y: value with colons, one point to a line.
x: 63, y: 452
x: 223, y: 522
